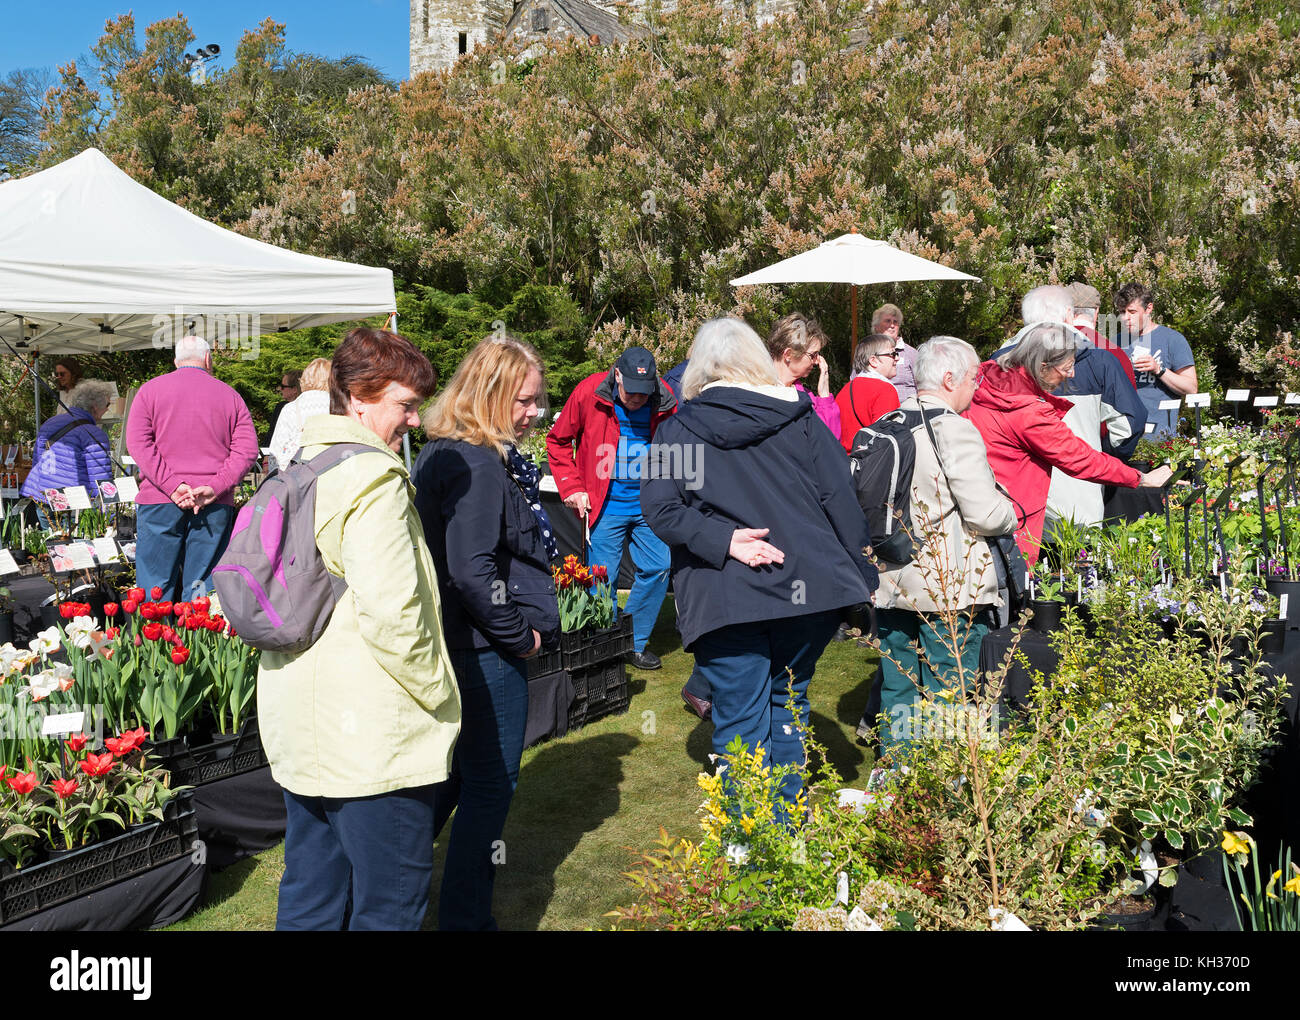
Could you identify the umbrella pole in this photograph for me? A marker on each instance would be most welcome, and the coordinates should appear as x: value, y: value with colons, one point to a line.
x: 853, y: 303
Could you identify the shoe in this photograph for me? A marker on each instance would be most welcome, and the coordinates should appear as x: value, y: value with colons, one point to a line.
x: 702, y: 708
x: 645, y: 660
x: 842, y: 634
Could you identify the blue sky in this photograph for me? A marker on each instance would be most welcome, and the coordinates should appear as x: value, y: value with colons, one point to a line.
x: 52, y: 32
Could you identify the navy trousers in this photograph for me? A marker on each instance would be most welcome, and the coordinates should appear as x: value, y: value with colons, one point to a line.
x: 176, y: 549
x: 374, y: 852
x: 484, y: 774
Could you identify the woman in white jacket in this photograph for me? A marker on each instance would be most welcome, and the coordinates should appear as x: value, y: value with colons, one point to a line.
x: 313, y: 400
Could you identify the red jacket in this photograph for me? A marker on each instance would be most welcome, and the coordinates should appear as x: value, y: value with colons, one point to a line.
x: 1025, y: 438
x: 589, y: 420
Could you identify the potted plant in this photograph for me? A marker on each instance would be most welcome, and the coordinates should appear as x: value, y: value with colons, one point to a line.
x: 1046, y: 600
x: 6, y: 616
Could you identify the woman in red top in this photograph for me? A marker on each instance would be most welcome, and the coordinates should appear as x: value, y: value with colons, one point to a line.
x: 870, y: 393
x: 1020, y: 421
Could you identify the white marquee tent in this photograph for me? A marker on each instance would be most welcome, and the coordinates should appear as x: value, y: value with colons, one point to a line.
x: 91, y: 261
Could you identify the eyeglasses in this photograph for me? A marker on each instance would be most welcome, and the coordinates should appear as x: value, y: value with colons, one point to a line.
x: 889, y: 354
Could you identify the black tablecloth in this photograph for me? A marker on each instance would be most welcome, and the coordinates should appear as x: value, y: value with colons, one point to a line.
x: 567, y: 528
x: 1129, y: 504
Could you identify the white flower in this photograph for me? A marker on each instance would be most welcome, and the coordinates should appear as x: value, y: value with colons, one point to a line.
x: 42, y: 685
x: 46, y: 642
x: 79, y: 631
x: 737, y: 853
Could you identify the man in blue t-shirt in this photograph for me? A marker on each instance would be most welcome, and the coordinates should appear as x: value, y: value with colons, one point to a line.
x: 1162, y: 358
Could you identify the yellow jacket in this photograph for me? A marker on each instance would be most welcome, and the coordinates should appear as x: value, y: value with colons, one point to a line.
x: 373, y: 705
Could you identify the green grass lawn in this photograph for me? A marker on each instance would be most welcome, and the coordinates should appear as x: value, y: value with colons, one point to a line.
x: 588, y: 801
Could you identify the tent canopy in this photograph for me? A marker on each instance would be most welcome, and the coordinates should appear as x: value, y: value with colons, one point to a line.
x: 96, y: 262
x: 852, y: 258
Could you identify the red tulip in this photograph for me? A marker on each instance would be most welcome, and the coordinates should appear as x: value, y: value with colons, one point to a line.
x: 23, y: 783
x: 152, y: 631
x: 203, y: 602
x: 77, y: 742
x: 65, y: 610
x: 155, y: 593
x: 600, y: 572
x: 129, y: 606
x: 127, y: 742
x: 137, y: 640
x: 97, y: 764
x: 112, y: 633
x: 64, y: 787
x: 110, y: 609
x: 136, y: 595
x: 193, y: 622
x: 179, y: 654
x: 149, y: 611
x: 164, y: 609
x: 168, y: 635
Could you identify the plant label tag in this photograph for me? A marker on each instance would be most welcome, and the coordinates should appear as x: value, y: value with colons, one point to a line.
x: 1281, y: 612
x: 1170, y: 405
x: 1151, y: 427
x: 1198, y: 400
x: 106, y: 550
x: 1237, y: 396
x: 1291, y: 398
x: 1266, y: 401
x: 7, y: 564
x: 128, y: 550
x: 63, y: 724
x: 128, y: 460
x: 11, y: 455
x: 77, y: 496
x: 127, y: 489
x: 81, y: 555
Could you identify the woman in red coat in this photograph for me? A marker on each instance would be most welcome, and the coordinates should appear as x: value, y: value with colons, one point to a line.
x: 1020, y: 421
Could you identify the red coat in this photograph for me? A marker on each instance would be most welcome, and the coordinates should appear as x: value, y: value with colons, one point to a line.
x: 589, y: 420
x: 1025, y: 438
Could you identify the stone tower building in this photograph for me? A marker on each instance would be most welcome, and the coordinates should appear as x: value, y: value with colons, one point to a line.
x: 441, y: 30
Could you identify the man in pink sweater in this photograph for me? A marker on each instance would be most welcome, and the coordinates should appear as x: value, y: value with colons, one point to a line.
x: 193, y: 439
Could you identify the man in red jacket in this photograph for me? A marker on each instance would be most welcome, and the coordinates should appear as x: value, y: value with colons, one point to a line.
x: 612, y: 417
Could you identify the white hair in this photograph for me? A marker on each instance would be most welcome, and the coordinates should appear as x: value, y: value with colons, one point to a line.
x: 191, y: 348
x: 940, y: 356
x: 90, y: 395
x: 727, y: 350
x: 1047, y: 304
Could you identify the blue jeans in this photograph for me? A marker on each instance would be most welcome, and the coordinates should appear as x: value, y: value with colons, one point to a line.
x: 376, y: 852
x: 484, y: 773
x: 650, y: 557
x: 176, y: 549
x: 745, y: 666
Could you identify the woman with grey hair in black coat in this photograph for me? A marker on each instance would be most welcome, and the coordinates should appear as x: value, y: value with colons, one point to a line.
x: 767, y: 539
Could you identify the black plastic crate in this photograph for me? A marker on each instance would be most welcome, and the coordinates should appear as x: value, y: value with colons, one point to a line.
x: 40, y: 886
x: 544, y: 663
x: 588, y: 648
x: 598, y: 691
x: 219, y: 759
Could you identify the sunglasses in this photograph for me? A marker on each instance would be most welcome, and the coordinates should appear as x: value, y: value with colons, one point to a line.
x: 889, y: 354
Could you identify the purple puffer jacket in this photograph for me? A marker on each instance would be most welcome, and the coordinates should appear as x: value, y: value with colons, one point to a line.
x: 79, y: 457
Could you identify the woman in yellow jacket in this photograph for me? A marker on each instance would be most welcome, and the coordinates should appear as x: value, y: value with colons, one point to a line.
x: 361, y: 726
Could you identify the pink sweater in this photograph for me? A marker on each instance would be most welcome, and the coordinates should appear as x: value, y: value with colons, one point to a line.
x: 187, y: 426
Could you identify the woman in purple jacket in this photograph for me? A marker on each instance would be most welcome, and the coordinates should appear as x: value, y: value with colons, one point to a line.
x: 796, y: 343
x: 71, y: 448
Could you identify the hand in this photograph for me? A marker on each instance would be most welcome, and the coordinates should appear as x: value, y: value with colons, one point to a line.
x: 747, y: 545
x: 537, y: 646
x: 823, y: 376
x: 1156, y: 478
x: 1146, y: 363
x: 183, y: 496
x: 579, y: 501
x: 201, y: 496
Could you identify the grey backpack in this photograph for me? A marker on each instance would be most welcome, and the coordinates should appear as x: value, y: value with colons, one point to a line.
x: 271, y: 580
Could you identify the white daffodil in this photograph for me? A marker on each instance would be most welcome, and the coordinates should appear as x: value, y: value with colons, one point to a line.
x: 79, y: 631
x: 46, y: 642
x: 42, y: 685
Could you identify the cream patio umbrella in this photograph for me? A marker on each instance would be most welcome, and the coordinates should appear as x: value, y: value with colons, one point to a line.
x: 855, y: 260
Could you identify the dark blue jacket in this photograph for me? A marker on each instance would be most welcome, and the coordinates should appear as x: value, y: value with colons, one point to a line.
x: 673, y: 377
x: 734, y: 458
x: 1099, y: 372
x: 494, y: 578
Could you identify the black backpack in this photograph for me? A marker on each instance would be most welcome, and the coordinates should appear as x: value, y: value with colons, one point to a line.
x: 882, y: 460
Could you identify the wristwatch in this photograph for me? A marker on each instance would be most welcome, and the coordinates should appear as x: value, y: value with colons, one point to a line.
x: 1161, y: 373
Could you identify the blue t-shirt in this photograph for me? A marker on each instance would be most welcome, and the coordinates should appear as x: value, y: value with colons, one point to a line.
x: 629, y: 464
x: 1175, y: 354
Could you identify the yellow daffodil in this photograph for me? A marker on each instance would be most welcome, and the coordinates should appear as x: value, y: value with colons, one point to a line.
x: 1293, y: 886
x: 1268, y: 889
x: 1235, y: 843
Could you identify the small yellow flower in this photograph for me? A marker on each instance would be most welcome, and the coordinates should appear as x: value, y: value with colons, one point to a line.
x: 747, y: 824
x: 1268, y: 889
x: 1235, y: 843
x: 1293, y: 886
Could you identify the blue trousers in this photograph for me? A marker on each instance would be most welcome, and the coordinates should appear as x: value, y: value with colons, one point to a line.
x: 650, y: 557
x: 485, y: 772
x: 176, y: 549
x: 376, y: 852
x: 745, y: 666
